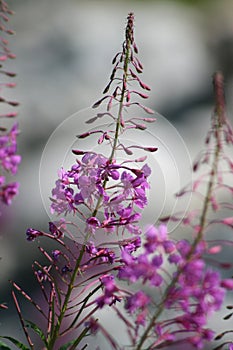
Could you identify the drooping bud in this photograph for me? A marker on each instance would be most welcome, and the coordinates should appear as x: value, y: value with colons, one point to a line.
x: 78, y: 152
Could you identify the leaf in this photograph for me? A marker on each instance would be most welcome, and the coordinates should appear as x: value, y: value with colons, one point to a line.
x: 76, y: 341
x: 3, y: 346
x: 14, y: 341
x: 37, y: 330
x: 66, y: 346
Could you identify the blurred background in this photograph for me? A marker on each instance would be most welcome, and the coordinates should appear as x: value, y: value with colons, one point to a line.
x: 64, y: 51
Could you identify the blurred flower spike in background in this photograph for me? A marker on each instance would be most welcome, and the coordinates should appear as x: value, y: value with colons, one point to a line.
x: 9, y: 159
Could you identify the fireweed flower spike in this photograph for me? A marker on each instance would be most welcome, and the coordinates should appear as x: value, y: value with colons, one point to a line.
x: 9, y: 159
x: 195, y: 290
x: 101, y: 183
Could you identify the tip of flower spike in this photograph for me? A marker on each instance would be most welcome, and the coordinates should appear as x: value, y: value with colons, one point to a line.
x: 129, y: 35
x: 218, y: 82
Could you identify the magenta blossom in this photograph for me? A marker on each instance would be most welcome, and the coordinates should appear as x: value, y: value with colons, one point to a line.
x: 109, y: 297
x: 8, y: 192
x: 118, y: 190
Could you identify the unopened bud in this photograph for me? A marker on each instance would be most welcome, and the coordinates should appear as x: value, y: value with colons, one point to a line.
x: 3, y: 58
x: 96, y: 104
x: 78, y: 152
x: 151, y: 149
x: 135, y: 48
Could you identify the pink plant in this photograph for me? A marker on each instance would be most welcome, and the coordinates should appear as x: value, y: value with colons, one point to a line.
x: 162, y: 289
x: 9, y: 159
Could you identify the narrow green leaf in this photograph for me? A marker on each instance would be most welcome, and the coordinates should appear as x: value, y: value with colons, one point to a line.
x: 37, y: 330
x: 66, y: 346
x: 76, y: 341
x: 16, y: 342
x: 3, y: 346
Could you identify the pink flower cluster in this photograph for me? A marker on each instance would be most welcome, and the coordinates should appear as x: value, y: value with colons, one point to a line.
x: 195, y: 293
x: 147, y: 265
x: 9, y: 162
x: 116, y: 189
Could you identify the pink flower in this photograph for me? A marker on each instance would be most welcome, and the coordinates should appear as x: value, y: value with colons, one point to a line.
x: 8, y: 192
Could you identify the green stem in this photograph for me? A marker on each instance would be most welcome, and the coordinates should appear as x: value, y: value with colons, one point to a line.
x: 55, y: 334
x: 124, y: 84
x: 84, y: 304
x: 81, y: 336
x: 199, y: 236
x: 119, y: 117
